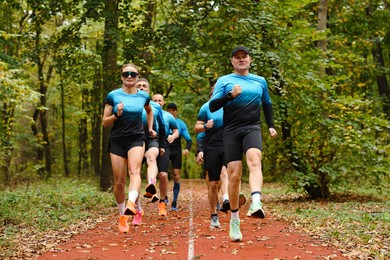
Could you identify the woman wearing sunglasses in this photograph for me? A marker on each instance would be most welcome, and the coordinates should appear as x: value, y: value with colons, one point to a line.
x: 123, y: 110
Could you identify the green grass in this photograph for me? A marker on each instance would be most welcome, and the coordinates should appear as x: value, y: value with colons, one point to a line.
x: 48, y: 206
x: 356, y: 222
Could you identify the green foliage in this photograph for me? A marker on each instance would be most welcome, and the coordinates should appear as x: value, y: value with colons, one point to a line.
x: 339, y: 135
x: 356, y: 220
x: 52, y: 204
x: 48, y: 206
x: 15, y: 99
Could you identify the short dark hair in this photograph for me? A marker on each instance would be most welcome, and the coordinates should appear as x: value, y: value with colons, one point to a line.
x: 172, y: 105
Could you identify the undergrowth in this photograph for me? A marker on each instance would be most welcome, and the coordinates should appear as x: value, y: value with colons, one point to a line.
x: 48, y: 206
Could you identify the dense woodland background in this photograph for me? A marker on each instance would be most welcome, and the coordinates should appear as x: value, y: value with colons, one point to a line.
x: 326, y: 63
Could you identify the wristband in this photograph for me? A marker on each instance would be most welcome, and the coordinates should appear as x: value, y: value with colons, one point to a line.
x: 204, y: 126
x: 116, y: 114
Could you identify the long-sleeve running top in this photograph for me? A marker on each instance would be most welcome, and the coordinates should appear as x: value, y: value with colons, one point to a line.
x: 244, y: 110
x: 183, y: 132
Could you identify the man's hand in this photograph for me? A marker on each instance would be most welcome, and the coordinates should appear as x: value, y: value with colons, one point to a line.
x: 272, y: 132
x: 152, y: 133
x: 162, y: 151
x: 199, y: 158
x: 170, y: 139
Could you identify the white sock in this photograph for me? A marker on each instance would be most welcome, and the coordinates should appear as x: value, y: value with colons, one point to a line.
x: 121, y: 208
x: 255, y: 198
x: 234, y: 215
x: 225, y: 197
x: 133, y: 195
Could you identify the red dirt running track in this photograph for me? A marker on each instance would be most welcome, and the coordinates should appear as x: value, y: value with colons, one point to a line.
x: 186, y: 234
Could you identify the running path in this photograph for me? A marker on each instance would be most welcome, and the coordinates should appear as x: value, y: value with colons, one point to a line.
x: 186, y: 234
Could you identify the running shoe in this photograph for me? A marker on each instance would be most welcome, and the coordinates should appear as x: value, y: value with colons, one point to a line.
x: 150, y: 191
x: 162, y: 209
x: 241, y: 200
x: 256, y: 210
x: 235, y: 232
x: 137, y: 220
x: 130, y: 208
x: 123, y: 225
x: 174, y: 206
x: 215, y: 222
x: 154, y: 199
x: 225, y: 206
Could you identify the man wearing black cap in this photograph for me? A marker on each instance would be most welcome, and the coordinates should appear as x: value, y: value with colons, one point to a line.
x: 242, y: 94
x: 176, y: 152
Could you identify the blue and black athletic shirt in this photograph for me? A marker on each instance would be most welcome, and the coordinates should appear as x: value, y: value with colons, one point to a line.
x: 170, y: 122
x: 213, y: 136
x: 158, y: 124
x: 244, y: 110
x: 130, y: 123
x: 183, y: 132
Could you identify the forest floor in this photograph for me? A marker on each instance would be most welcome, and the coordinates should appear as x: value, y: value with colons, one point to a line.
x: 184, y: 234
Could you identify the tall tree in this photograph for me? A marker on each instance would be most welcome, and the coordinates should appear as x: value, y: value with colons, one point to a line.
x: 110, y: 74
x: 381, y: 78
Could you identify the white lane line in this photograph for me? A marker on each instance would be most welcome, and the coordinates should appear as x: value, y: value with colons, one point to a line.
x: 191, y: 231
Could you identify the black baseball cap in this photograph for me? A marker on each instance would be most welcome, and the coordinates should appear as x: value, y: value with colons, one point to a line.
x: 240, y: 48
x: 172, y: 105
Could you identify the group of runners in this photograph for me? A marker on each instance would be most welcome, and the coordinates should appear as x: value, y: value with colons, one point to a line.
x: 228, y: 126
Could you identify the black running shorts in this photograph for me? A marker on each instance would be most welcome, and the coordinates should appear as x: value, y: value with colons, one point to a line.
x: 214, y: 160
x: 240, y: 142
x: 121, y: 146
x: 176, y: 159
x: 163, y: 161
x: 151, y: 143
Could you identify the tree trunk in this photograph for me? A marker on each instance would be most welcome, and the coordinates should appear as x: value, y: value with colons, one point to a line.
x: 40, y: 114
x: 34, y: 129
x: 110, y: 74
x: 64, y: 150
x: 320, y: 187
x: 7, y: 118
x: 43, y: 121
x: 96, y: 121
x: 322, y: 20
x: 83, y: 139
x: 381, y: 79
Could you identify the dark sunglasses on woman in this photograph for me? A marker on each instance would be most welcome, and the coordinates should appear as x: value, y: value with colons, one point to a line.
x: 126, y: 74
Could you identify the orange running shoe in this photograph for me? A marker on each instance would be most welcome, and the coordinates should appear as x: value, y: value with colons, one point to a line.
x: 150, y: 191
x: 137, y: 220
x: 123, y: 225
x: 162, y: 209
x: 130, y: 208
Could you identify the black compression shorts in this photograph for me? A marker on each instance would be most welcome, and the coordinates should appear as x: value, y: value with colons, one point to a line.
x: 240, y: 142
x: 214, y: 160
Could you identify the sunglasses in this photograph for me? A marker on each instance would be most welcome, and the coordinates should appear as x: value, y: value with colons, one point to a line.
x: 126, y: 74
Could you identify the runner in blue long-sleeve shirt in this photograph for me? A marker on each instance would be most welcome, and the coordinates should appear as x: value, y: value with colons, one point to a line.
x: 176, y: 152
x: 242, y: 94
